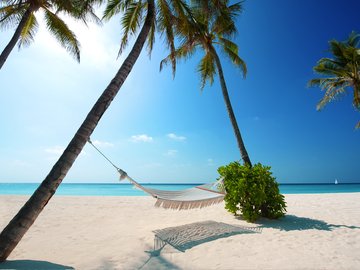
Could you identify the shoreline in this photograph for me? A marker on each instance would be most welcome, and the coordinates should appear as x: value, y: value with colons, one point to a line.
x: 320, y: 231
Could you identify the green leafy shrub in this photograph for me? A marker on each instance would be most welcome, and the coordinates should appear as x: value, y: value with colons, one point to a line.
x: 253, y: 191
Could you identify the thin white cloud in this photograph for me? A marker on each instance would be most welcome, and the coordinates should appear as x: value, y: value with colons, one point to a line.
x: 171, y: 153
x: 141, y: 138
x: 102, y: 144
x: 175, y: 137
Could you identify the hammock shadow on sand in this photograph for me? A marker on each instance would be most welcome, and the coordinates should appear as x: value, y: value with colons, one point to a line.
x: 295, y: 223
x: 32, y: 264
x: 188, y: 236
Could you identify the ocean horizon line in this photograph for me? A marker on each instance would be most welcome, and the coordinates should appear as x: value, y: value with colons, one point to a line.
x: 180, y: 183
x: 128, y: 189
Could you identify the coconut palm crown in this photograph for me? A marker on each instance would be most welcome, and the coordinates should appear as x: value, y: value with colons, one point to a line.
x: 341, y: 73
x: 210, y: 26
x: 20, y: 14
x: 168, y: 14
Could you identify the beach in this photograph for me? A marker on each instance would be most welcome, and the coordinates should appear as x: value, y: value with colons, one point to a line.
x: 320, y: 231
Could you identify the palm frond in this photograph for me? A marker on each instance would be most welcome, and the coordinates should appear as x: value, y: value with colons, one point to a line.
x: 337, y: 82
x: 207, y: 70
x: 356, y: 95
x: 186, y: 28
x: 234, y: 11
x: 325, y: 83
x: 28, y: 32
x: 62, y: 33
x: 85, y: 11
x: 151, y: 37
x: 181, y: 10
x: 130, y: 22
x: 222, y: 18
x: 356, y: 56
x: 333, y: 62
x: 224, y: 24
x: 112, y: 8
x: 166, y: 24
x: 203, y: 6
x: 353, y: 40
x: 10, y: 16
x: 185, y: 22
x: 231, y: 50
x: 164, y: 62
x: 91, y: 16
x: 329, y: 96
x: 330, y: 67
x: 314, y: 82
x: 67, y: 6
x: 236, y: 8
x: 357, y: 125
x: 341, y: 72
x: 337, y: 50
x: 334, y: 88
x: 184, y: 51
x: 351, y: 55
x: 132, y: 17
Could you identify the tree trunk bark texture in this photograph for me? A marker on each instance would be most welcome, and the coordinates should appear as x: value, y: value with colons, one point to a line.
x: 27, y: 215
x: 240, y: 142
x: 7, y: 50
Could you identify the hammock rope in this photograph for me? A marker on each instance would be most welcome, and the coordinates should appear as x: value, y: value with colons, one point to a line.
x: 196, y: 197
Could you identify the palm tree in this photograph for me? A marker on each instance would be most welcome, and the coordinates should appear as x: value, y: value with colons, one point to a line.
x: 21, y: 14
x: 341, y: 73
x: 212, y: 24
x: 133, y: 15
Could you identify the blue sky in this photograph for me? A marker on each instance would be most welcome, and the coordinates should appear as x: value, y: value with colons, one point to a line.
x: 164, y: 130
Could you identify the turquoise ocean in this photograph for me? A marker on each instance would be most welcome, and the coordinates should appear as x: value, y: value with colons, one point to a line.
x: 128, y: 189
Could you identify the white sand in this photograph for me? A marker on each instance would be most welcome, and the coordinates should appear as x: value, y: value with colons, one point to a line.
x: 319, y: 232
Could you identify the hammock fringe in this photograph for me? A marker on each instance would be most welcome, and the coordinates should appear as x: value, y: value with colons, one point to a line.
x: 186, y: 205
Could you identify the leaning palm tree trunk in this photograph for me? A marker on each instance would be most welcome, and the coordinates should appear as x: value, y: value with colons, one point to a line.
x: 240, y: 142
x: 19, y: 225
x: 7, y: 50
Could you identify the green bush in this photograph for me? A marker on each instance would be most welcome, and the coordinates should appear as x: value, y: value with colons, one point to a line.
x: 253, y: 191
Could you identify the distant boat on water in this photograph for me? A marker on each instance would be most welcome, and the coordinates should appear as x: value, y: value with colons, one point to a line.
x: 336, y: 182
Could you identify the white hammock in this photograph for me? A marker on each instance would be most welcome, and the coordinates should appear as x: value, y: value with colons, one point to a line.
x: 196, y: 197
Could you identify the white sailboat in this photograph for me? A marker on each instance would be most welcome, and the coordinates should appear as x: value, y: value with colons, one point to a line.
x: 336, y: 182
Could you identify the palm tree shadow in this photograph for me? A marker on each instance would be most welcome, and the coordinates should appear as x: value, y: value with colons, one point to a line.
x: 295, y: 223
x: 157, y: 261
x: 32, y: 264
